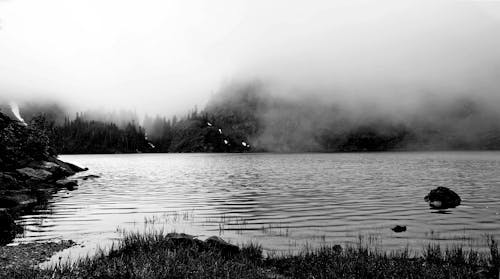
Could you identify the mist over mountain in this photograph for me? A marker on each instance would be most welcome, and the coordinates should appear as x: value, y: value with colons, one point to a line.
x: 259, y: 116
x: 274, y: 122
x: 161, y: 63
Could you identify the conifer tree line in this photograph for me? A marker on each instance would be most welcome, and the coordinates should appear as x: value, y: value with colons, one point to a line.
x: 249, y: 119
x: 106, y: 134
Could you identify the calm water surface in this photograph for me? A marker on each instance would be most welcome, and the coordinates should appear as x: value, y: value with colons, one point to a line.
x: 283, y: 201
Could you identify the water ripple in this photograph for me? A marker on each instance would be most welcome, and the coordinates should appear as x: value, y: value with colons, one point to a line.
x: 282, y: 201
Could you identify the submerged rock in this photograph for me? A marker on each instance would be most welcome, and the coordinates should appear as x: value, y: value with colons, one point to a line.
x: 442, y: 198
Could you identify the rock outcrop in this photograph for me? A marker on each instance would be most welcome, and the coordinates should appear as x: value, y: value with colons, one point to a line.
x: 34, y: 174
x: 67, y: 166
x: 442, y: 198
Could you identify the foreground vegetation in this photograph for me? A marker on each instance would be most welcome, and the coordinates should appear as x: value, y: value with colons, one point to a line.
x: 156, y: 255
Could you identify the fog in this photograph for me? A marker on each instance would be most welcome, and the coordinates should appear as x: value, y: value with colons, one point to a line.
x: 165, y: 57
x: 272, y: 122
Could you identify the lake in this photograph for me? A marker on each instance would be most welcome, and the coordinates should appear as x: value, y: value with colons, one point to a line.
x: 283, y: 201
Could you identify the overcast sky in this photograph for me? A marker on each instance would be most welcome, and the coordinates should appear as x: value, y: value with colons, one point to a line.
x: 166, y: 56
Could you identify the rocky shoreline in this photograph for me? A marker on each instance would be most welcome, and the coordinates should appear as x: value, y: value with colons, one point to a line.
x: 29, y: 172
x: 28, y: 187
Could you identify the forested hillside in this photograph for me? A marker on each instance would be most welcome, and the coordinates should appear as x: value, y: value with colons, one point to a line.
x: 81, y: 136
x: 246, y: 117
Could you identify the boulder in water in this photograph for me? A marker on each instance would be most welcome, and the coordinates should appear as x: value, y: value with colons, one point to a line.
x: 442, y: 198
x: 399, y: 229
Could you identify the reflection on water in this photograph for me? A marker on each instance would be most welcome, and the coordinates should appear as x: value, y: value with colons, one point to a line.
x: 283, y: 201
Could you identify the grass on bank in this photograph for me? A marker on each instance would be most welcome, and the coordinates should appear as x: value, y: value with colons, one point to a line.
x: 153, y: 255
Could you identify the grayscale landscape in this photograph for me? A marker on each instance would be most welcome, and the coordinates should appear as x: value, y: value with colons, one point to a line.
x: 249, y: 139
